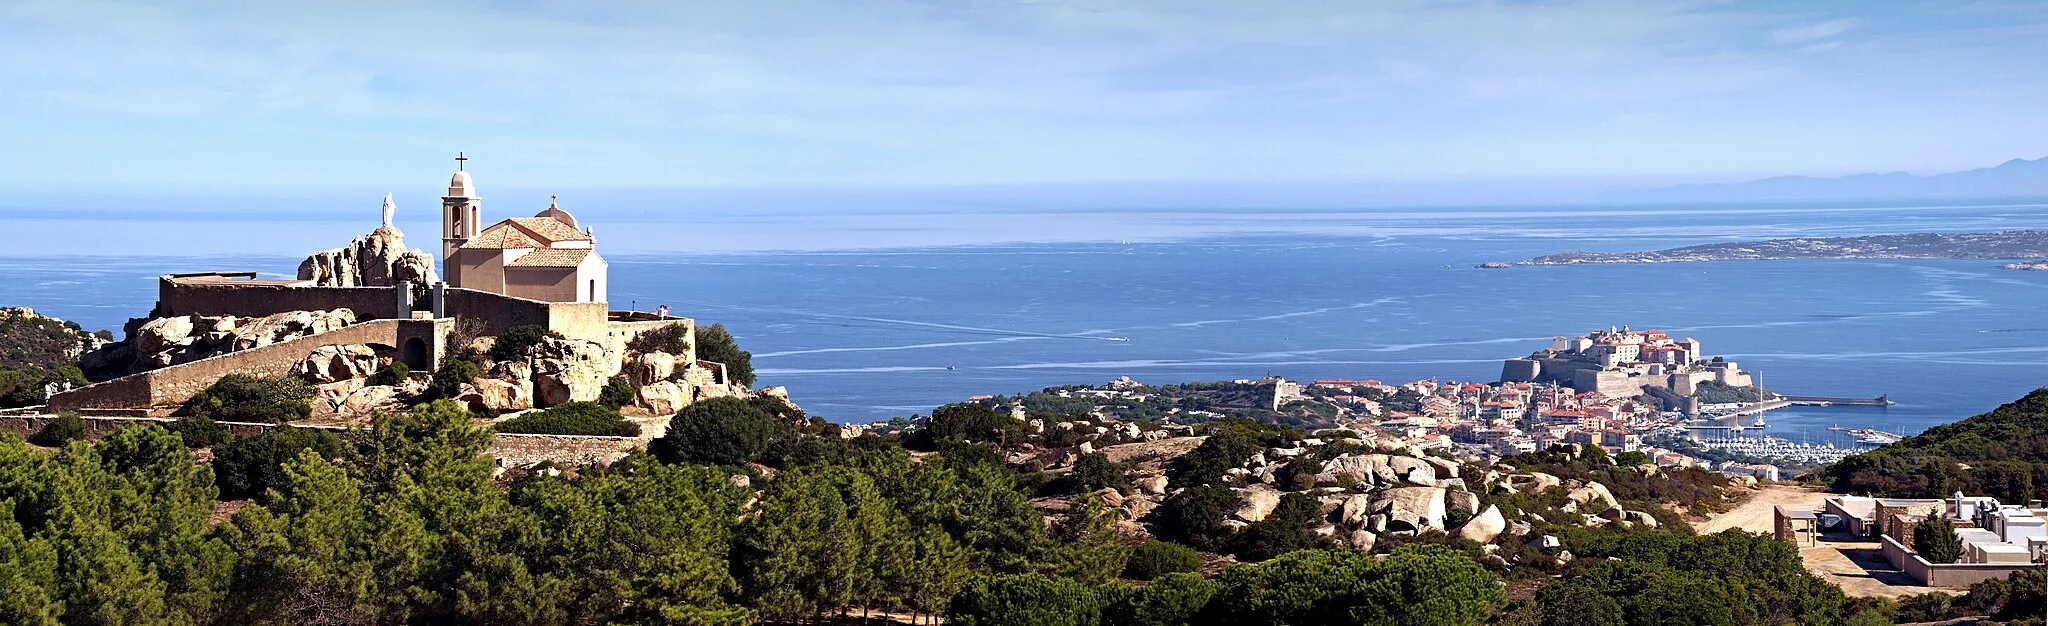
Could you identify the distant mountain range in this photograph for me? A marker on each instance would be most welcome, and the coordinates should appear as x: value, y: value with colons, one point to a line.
x: 2015, y: 178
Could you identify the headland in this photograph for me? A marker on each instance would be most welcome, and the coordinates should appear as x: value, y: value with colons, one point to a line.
x: 2013, y: 244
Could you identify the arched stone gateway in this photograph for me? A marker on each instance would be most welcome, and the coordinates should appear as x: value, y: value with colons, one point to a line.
x: 414, y: 354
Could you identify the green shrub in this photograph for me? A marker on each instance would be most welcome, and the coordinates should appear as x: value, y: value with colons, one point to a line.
x: 574, y: 418
x: 517, y: 341
x: 246, y: 398
x: 199, y: 432
x: 1025, y: 600
x: 65, y: 428
x: 673, y: 339
x: 393, y: 374
x: 1415, y: 585
x: 720, y: 431
x: 449, y: 379
x: 618, y: 392
x: 715, y: 344
x: 1155, y: 558
x: 1172, y: 600
x: 245, y: 467
x: 1288, y: 528
x: 1197, y: 513
x: 1300, y: 474
x: 970, y: 422
x: 1095, y: 471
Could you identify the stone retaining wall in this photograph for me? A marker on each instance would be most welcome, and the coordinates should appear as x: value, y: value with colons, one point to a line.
x: 1944, y: 574
x: 510, y: 449
x: 173, y: 385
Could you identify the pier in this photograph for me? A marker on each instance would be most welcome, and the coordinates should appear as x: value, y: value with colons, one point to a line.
x: 1884, y: 400
x: 1753, y: 409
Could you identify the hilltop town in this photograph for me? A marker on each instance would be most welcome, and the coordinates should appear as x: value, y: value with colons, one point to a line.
x: 1619, y: 389
x: 512, y: 320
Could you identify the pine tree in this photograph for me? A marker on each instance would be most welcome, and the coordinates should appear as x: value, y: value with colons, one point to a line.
x: 1936, y: 540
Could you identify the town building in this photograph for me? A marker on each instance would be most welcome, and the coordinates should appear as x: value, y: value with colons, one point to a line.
x: 1627, y: 363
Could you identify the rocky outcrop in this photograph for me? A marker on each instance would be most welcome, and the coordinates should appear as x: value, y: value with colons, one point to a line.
x: 570, y: 370
x: 349, y: 397
x: 1411, y: 508
x: 663, y: 398
x: 649, y: 368
x: 166, y: 341
x: 378, y: 259
x: 335, y: 363
x: 491, y: 395
x: 1484, y: 526
x: 1258, y: 501
x: 1594, y: 496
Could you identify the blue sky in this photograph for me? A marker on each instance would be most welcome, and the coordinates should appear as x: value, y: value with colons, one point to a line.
x: 772, y: 93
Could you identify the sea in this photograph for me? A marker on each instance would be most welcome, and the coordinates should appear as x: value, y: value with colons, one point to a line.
x: 871, y: 314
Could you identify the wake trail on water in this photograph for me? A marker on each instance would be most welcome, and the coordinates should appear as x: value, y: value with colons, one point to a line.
x: 1276, y: 316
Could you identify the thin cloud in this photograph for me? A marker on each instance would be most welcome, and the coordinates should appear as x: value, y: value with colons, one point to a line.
x: 1814, y: 32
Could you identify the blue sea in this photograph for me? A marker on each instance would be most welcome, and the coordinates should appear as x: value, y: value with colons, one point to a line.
x: 870, y: 314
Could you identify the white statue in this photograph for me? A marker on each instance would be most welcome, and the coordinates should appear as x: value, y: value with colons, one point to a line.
x: 389, y: 209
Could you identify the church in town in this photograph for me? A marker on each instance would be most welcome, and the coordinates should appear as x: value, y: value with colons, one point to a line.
x: 545, y: 257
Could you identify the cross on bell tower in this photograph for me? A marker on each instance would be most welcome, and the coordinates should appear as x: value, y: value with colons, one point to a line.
x: 461, y: 216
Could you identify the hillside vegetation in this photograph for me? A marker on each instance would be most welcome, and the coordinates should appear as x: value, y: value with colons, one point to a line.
x: 2003, y: 453
x: 36, y: 350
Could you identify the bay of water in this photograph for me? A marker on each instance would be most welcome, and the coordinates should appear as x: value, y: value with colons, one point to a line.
x: 871, y: 315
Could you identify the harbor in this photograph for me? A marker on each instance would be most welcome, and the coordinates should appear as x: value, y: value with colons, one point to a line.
x: 1744, y: 429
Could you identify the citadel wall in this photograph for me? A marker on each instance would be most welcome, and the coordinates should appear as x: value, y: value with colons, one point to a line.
x: 251, y: 298
x: 172, y: 386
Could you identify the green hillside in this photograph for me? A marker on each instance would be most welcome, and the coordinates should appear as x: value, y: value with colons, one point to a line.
x: 2002, y: 453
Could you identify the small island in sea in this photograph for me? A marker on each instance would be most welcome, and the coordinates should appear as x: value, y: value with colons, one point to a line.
x: 2012, y: 244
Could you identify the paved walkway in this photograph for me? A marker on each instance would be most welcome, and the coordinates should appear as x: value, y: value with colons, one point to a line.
x: 1859, y: 567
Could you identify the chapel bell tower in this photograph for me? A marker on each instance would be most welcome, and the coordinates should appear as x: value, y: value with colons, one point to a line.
x: 461, y: 210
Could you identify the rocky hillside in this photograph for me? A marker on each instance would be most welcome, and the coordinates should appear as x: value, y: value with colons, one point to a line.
x: 37, y: 351
x: 32, y: 340
x: 1232, y: 487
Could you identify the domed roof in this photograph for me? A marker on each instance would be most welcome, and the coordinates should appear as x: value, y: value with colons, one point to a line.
x: 460, y: 187
x: 557, y: 213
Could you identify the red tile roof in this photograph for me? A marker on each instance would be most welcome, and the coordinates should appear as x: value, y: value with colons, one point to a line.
x: 525, y: 232
x: 551, y: 257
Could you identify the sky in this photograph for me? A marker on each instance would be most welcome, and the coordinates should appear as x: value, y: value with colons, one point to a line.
x: 782, y: 94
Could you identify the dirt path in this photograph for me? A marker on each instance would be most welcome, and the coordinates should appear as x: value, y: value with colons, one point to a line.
x: 1755, y: 515
x: 1857, y: 566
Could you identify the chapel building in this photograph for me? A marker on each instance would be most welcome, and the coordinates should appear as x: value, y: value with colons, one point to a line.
x: 544, y: 257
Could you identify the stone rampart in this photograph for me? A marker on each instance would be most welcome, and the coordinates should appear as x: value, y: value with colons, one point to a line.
x: 522, y: 450
x: 482, y: 312
x: 620, y: 333
x: 580, y: 320
x: 486, y: 314
x: 173, y: 385
x: 259, y: 298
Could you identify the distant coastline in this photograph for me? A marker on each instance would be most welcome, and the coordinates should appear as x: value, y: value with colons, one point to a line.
x: 2003, y: 245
